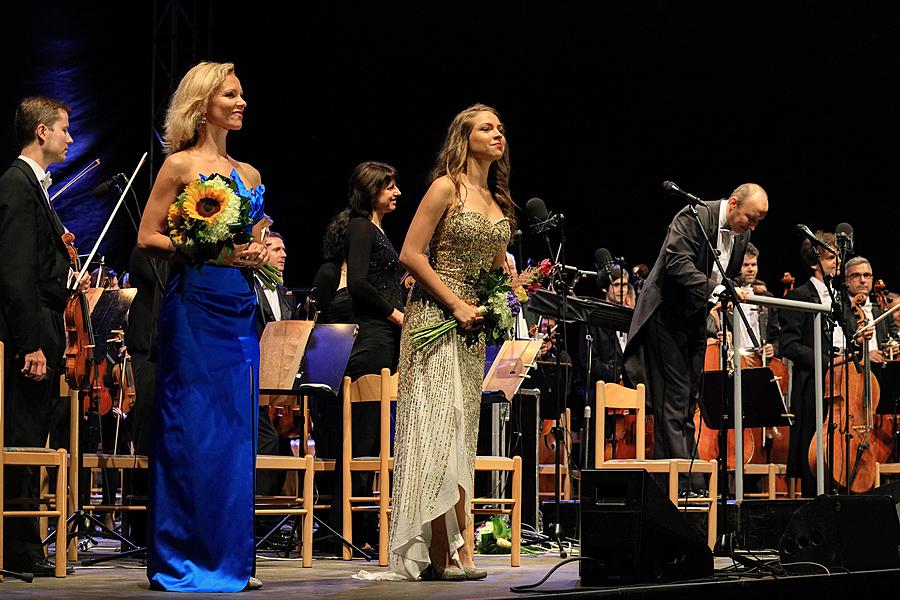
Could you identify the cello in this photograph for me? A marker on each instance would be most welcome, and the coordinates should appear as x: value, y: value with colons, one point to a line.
x: 708, y: 439
x: 854, y: 418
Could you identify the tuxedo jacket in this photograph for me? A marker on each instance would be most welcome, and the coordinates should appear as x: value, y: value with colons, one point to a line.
x: 264, y: 312
x: 680, y: 278
x: 34, y: 268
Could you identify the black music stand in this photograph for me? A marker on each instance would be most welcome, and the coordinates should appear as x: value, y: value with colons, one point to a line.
x: 767, y: 408
x: 320, y: 375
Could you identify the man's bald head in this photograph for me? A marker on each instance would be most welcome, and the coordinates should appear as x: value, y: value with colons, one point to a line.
x: 747, y: 206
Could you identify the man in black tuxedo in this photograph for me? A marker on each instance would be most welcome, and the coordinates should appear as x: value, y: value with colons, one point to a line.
x: 667, y: 339
x: 34, y: 275
x: 796, y: 337
x: 858, y: 272
x: 277, y: 304
x: 608, y: 345
x: 272, y: 305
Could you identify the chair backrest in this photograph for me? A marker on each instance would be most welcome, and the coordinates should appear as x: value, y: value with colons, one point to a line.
x: 615, y: 396
x: 370, y: 388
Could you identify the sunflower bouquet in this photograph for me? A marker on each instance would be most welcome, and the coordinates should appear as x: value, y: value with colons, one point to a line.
x: 210, y: 215
x: 500, y: 299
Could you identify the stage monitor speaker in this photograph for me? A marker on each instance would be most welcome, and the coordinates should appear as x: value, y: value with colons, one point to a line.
x: 853, y: 533
x: 634, y: 533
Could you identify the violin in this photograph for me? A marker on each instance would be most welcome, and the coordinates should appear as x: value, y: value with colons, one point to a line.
x: 79, y: 335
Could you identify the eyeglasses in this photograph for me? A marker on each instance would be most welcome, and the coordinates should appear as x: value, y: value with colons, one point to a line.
x: 857, y: 276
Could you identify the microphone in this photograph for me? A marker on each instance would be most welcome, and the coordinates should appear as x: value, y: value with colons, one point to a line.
x: 540, y: 218
x: 103, y: 189
x: 673, y: 189
x: 536, y: 210
x: 844, y: 235
x: 804, y: 232
x: 604, y: 260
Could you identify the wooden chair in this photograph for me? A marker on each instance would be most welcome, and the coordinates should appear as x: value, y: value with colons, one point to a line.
x: 611, y: 395
x: 34, y: 457
x: 886, y: 469
x: 369, y: 388
x: 501, y: 506
x: 565, y: 477
x: 301, y: 506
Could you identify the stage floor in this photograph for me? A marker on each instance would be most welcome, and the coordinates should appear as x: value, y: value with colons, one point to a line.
x: 332, y: 578
x: 328, y: 578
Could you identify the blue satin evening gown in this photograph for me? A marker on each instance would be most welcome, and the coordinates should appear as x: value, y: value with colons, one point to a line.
x: 202, y: 468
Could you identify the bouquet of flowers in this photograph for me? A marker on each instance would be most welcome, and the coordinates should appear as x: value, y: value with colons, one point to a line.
x: 210, y: 215
x: 500, y: 299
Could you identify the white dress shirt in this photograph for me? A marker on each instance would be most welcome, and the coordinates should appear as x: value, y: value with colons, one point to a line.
x: 725, y: 242
x: 272, y: 298
x: 837, y: 339
x: 43, y: 177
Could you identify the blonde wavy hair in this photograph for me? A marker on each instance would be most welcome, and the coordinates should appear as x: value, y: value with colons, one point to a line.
x: 451, y: 162
x: 189, y: 103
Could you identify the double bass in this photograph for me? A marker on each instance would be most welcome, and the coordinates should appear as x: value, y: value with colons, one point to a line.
x: 854, y: 419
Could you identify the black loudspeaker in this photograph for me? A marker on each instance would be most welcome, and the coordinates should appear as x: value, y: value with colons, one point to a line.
x: 855, y: 533
x: 634, y: 533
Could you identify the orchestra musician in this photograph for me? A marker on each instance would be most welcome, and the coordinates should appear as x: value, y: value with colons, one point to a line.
x: 797, y: 330
x: 858, y: 274
x: 34, y: 275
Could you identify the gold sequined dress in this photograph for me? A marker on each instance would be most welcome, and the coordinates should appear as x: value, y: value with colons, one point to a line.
x: 439, y: 396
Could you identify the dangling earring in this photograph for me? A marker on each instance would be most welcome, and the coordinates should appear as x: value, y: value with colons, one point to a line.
x: 202, y: 120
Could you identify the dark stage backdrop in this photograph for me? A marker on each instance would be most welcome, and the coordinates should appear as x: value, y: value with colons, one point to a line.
x: 602, y: 104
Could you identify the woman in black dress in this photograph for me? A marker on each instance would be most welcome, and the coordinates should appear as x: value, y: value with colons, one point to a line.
x: 373, y: 281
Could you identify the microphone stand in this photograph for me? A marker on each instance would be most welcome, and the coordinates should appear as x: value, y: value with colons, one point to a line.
x: 843, y: 317
x: 561, y: 285
x: 724, y: 544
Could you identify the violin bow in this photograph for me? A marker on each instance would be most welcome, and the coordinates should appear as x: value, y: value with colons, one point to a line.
x: 93, y: 165
x: 115, y: 210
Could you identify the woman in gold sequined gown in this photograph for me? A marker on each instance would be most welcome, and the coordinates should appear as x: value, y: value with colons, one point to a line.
x: 462, y: 226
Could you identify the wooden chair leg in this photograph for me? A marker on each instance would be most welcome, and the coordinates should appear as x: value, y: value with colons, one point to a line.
x: 469, y: 534
x: 307, y: 534
x: 61, y: 479
x: 515, y: 553
x: 712, y: 516
x: 2, y: 491
x: 770, y: 482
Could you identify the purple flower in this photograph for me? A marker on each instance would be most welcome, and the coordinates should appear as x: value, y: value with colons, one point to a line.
x: 513, y: 303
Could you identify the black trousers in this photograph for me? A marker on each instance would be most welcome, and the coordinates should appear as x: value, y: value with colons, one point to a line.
x: 676, y: 345
x: 29, y: 407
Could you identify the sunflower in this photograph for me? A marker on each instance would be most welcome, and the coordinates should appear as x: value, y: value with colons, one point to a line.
x: 204, y: 202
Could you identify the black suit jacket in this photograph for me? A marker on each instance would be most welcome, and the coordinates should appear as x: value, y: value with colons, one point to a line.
x: 680, y: 278
x: 264, y: 313
x: 35, y: 264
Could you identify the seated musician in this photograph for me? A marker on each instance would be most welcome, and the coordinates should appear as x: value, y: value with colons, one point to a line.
x: 607, y: 345
x: 762, y: 319
x: 273, y: 305
x: 858, y: 273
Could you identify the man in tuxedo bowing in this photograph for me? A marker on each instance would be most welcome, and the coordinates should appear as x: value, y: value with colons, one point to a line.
x: 667, y: 338
x: 34, y: 274
x: 272, y: 305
